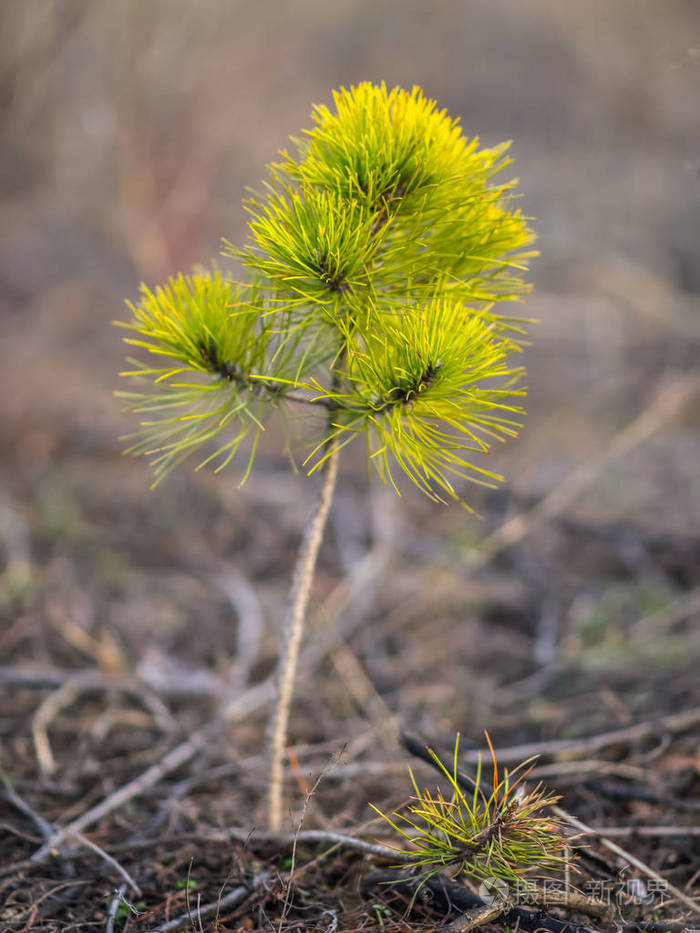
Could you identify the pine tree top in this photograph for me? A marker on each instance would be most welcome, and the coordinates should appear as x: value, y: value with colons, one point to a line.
x: 381, y: 255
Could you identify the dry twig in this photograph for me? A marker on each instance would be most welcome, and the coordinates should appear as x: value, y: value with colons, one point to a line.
x: 237, y: 707
x: 645, y: 831
x: 248, y: 701
x: 232, y: 899
x: 68, y: 693
x: 48, y: 832
x: 114, y: 907
x: 647, y: 870
x: 675, y: 722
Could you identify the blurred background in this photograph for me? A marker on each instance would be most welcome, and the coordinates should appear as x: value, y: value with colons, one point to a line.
x: 130, y: 133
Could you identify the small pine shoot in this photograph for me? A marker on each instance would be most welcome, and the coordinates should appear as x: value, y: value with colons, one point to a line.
x: 381, y: 253
x: 497, y: 832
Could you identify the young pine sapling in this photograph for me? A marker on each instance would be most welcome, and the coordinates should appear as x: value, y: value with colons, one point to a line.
x: 381, y: 253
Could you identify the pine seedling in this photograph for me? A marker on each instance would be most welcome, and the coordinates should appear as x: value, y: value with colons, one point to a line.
x: 382, y: 253
x: 497, y: 832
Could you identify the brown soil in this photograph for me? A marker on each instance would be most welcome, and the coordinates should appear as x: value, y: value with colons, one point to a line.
x: 127, y: 615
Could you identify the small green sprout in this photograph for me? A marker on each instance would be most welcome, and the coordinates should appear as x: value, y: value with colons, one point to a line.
x: 497, y: 833
x: 186, y: 884
x: 126, y: 910
x: 382, y: 913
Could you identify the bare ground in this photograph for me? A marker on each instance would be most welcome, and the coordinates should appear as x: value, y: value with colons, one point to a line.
x: 139, y: 628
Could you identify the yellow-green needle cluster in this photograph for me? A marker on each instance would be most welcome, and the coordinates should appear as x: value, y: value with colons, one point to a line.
x: 380, y: 254
x: 501, y: 831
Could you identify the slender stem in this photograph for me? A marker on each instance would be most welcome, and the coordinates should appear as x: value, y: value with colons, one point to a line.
x: 293, y: 627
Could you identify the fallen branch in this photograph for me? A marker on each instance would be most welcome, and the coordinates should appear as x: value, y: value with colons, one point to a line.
x: 188, y: 683
x: 676, y: 722
x: 473, y: 919
x: 448, y: 896
x: 476, y: 918
x: 262, y: 842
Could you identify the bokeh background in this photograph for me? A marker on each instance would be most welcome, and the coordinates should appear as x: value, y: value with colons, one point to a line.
x: 130, y: 133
